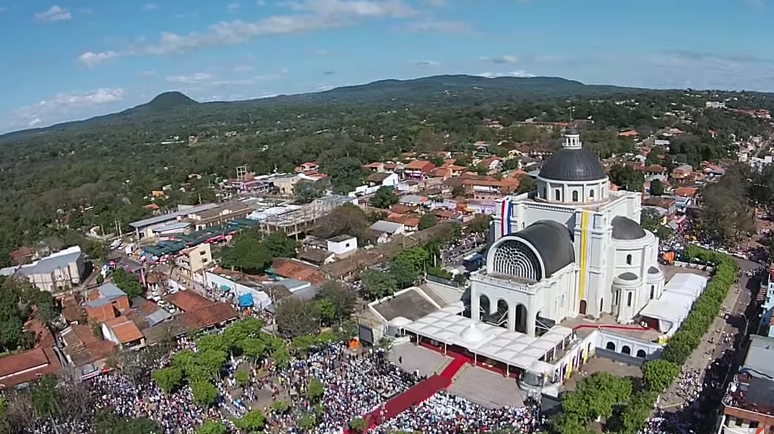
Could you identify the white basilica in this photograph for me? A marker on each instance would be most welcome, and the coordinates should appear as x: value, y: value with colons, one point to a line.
x: 573, y: 247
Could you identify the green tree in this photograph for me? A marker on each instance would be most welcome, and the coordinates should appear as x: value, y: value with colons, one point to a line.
x: 327, y: 311
x: 111, y: 423
x: 295, y: 317
x: 212, y: 427
x: 212, y: 361
x: 358, y: 425
x: 46, y: 399
x: 347, y: 219
x: 127, y: 282
x: 315, y: 390
x: 306, y: 192
x: 280, y: 246
x: 650, y: 219
x: 204, y: 392
x: 248, y: 254
x: 659, y: 374
x: 526, y: 184
x: 341, y: 299
x: 427, y: 221
x: 656, y: 187
x: 280, y: 406
x: 377, y: 284
x: 403, y: 272
x: 480, y: 224
x: 459, y: 191
x: 384, y: 197
x: 626, y: 178
x: 168, y: 379
x: 307, y: 422
x: 242, y: 377
x: 252, y: 422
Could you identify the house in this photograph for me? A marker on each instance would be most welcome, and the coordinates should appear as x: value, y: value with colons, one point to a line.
x: 383, y: 179
x: 188, y: 301
x: 195, y: 259
x: 211, y: 316
x: 654, y: 169
x: 27, y: 366
x: 633, y: 134
x: 297, y: 270
x: 224, y: 213
x: 22, y: 256
x: 61, y: 270
x: 310, y: 166
x: 342, y: 245
x: 106, y: 302
x: 748, y: 405
x: 375, y: 167
x: 682, y: 172
x: 123, y: 332
x: 85, y: 351
x: 387, y: 227
x: 418, y: 169
x: 285, y: 184
x: 491, y: 164
x: 316, y: 256
x: 410, y: 222
x: 144, y: 228
x: 685, y: 191
x: 412, y: 200
x: 666, y: 204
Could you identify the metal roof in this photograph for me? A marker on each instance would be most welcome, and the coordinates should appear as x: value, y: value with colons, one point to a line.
x: 386, y: 227
x: 171, y: 216
x: 158, y: 316
x: 54, y: 262
x: 552, y: 241
x: 109, y: 290
x: 625, y: 228
x: 568, y: 164
x: 759, y: 357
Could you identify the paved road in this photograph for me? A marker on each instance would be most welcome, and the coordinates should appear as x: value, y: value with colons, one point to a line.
x: 737, y: 319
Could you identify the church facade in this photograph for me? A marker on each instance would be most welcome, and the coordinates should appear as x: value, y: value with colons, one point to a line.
x: 572, y: 247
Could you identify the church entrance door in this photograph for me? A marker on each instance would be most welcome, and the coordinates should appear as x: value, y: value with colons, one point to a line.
x: 583, y: 307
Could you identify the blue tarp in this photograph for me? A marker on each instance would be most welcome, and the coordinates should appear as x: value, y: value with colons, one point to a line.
x: 246, y: 300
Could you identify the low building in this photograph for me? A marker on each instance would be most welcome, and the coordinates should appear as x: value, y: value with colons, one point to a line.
x: 60, y: 271
x: 342, y: 245
x: 682, y: 172
x: 195, y: 259
x: 144, y: 228
x: 749, y: 400
x: 124, y: 332
x: 286, y: 184
x: 85, y: 350
x: 316, y: 256
x: 383, y: 179
x: 221, y: 214
x: 25, y: 367
x: 105, y: 303
x: 388, y: 228
x: 668, y: 205
x: 418, y: 169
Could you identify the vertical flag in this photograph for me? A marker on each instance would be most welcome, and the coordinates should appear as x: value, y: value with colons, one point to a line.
x: 505, y: 216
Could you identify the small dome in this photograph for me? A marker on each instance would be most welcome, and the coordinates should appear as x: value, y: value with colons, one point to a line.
x: 653, y: 270
x: 627, y: 276
x: 568, y: 164
x: 472, y: 335
x: 625, y: 228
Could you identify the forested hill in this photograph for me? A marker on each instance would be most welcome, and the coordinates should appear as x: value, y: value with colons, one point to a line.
x: 174, y: 108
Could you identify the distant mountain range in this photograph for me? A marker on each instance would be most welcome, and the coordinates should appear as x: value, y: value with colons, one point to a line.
x: 426, y: 91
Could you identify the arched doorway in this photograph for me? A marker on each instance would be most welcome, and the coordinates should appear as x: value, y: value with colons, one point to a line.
x: 610, y: 346
x: 582, y: 308
x: 521, y: 318
x: 484, y: 307
x: 501, y: 318
x: 626, y: 350
x: 641, y: 354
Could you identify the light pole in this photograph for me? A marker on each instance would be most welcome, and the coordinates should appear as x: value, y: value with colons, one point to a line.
x: 746, y: 325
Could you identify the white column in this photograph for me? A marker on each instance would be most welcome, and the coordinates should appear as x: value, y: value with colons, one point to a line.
x: 474, y: 303
x: 512, y: 316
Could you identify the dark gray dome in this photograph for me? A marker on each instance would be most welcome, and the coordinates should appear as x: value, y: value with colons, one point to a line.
x: 573, y: 165
x: 553, y: 243
x: 628, y: 276
x: 653, y: 270
x: 625, y: 228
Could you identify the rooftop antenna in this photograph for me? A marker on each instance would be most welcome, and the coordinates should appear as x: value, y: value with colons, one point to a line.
x: 572, y: 112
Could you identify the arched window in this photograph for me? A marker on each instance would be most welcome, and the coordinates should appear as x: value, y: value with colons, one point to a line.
x: 629, y: 300
x: 628, y: 259
x: 562, y: 304
x: 574, y: 196
x: 557, y: 195
x: 652, y: 291
x: 591, y: 194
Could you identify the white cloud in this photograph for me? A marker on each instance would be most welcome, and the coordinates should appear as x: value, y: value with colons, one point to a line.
x: 2, y: 9
x: 501, y: 60
x: 308, y: 16
x: 435, y: 26
x: 204, y: 79
x: 260, y: 3
x: 92, y: 59
x: 53, y: 14
x: 62, y: 106
x: 195, y: 78
x: 520, y: 74
x: 150, y: 7
x: 233, y: 7
x: 242, y: 68
x: 434, y: 3
x: 425, y: 63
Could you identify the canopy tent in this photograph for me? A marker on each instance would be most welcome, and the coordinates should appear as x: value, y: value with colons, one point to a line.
x: 246, y: 300
x: 670, y: 310
x: 688, y: 284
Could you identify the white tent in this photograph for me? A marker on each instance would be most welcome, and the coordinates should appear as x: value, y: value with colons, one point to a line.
x: 670, y: 310
x: 688, y: 284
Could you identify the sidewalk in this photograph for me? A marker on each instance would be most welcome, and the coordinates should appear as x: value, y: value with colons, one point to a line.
x: 699, y: 360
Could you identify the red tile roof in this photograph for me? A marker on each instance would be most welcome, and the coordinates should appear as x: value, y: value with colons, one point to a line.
x: 188, y: 301
x: 217, y: 313
x: 125, y: 329
x: 297, y: 270
x: 422, y: 165
x: 28, y: 366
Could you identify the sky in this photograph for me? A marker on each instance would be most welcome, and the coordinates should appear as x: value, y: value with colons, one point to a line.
x: 72, y: 59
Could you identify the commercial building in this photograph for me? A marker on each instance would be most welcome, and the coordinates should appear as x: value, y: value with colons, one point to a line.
x: 195, y: 259
x: 749, y: 401
x: 60, y: 271
x: 144, y: 228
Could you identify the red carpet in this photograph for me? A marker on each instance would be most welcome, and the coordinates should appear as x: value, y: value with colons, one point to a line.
x: 414, y: 396
x: 453, y: 367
